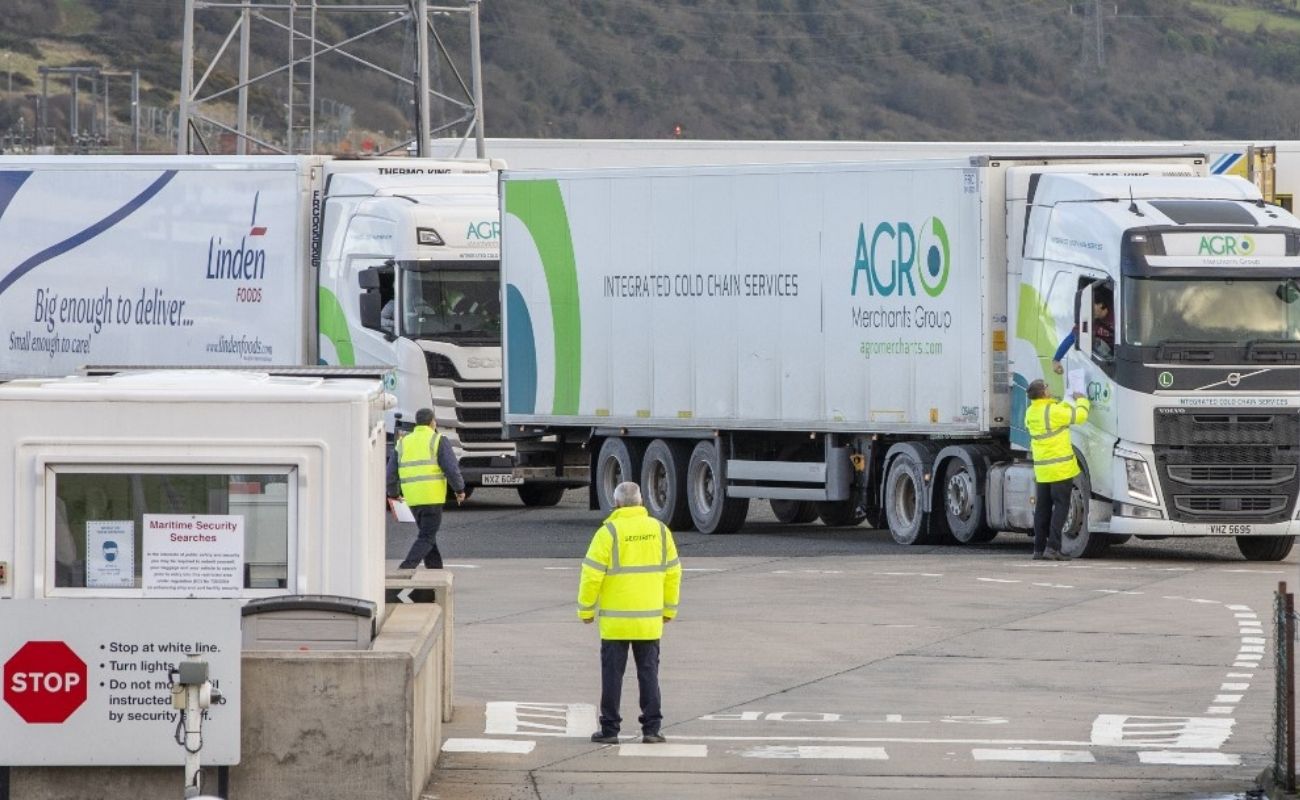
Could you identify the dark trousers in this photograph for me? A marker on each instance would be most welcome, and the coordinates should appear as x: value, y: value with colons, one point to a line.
x: 1049, y: 514
x: 425, y: 547
x: 613, y: 663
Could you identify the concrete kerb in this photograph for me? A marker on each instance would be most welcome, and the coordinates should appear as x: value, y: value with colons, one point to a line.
x: 429, y: 586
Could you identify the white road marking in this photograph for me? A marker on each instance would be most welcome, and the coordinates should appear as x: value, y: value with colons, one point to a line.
x: 462, y: 566
x: 1048, y: 756
x: 1253, y: 640
x: 1246, y: 615
x: 1190, y: 759
x: 1227, y: 698
x: 488, y: 746
x: 1219, y: 710
x: 1116, y: 591
x: 1234, y: 687
x: 1256, y: 572
x: 1054, y: 585
x: 664, y: 750
x: 1241, y: 675
x: 1239, y: 608
x: 816, y: 751
x: 911, y: 574
x: 996, y: 580
x: 1117, y: 730
x: 540, y: 719
x: 1252, y: 648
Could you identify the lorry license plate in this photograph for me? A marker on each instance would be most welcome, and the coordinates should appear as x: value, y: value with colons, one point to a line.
x: 501, y: 479
x: 1230, y: 530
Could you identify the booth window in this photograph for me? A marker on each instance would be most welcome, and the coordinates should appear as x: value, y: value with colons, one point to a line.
x: 101, y: 514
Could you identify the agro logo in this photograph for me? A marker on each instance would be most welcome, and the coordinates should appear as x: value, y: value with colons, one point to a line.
x: 896, y: 257
x: 245, y: 262
x: 489, y: 230
x: 1224, y: 244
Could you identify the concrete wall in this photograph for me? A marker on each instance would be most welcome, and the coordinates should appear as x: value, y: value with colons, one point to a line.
x: 324, y: 724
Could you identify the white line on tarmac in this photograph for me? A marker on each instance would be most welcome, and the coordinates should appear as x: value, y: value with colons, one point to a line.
x: 664, y: 750
x: 894, y: 740
x: 1048, y: 756
x: 912, y: 574
x: 816, y: 751
x: 1190, y: 759
x: 487, y: 746
x: 1234, y: 687
x: 996, y: 580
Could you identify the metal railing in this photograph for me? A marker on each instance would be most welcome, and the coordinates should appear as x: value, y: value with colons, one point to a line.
x: 1284, y: 627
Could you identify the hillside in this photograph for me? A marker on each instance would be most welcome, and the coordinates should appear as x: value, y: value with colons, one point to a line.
x: 779, y: 69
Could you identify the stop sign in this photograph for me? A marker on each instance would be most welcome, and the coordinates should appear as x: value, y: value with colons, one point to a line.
x: 45, y: 682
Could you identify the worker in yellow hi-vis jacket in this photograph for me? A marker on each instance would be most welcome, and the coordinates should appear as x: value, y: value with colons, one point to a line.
x: 631, y: 579
x: 1048, y: 422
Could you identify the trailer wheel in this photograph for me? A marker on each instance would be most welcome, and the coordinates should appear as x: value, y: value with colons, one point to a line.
x: 793, y: 512
x: 711, y: 510
x: 535, y: 496
x: 904, y: 501
x: 663, y: 483
x: 839, y: 514
x: 1077, y: 540
x: 963, y: 504
x: 618, y: 460
x: 1265, y: 548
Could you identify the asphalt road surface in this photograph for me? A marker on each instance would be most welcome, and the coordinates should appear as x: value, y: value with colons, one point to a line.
x: 816, y: 663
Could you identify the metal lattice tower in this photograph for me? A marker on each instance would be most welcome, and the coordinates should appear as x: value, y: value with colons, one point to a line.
x: 293, y: 69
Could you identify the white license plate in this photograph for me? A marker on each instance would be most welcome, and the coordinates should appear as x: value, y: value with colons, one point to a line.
x: 1230, y: 530
x: 501, y: 479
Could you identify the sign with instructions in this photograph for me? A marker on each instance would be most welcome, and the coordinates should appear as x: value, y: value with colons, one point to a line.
x: 86, y: 682
x: 110, y: 554
x: 193, y: 555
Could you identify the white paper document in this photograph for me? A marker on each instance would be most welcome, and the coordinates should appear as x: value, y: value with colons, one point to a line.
x: 1077, y: 384
x: 401, y: 511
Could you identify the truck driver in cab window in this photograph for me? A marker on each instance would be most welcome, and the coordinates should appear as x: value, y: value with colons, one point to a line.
x: 1103, y: 328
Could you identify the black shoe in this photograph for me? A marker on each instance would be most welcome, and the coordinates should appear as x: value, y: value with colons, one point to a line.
x: 652, y: 738
x: 600, y: 737
x: 1038, y: 557
x: 1055, y: 555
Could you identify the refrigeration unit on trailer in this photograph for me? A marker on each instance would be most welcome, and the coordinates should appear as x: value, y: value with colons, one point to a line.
x: 854, y: 342
x: 264, y: 262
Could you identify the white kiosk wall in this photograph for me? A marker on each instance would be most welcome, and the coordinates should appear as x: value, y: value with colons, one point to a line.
x: 193, y: 484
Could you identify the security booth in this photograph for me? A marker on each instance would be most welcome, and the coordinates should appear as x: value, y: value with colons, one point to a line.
x: 145, y: 501
x: 193, y: 483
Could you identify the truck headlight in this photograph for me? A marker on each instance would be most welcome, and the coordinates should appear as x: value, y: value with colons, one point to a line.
x: 1140, y: 512
x: 1139, y: 479
x: 427, y: 236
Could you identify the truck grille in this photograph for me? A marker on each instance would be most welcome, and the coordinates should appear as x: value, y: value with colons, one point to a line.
x: 480, y: 435
x: 479, y: 415
x: 478, y: 394
x: 1229, y: 465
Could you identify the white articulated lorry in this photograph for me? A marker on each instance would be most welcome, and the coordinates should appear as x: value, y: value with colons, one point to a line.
x: 854, y: 341
x: 267, y: 262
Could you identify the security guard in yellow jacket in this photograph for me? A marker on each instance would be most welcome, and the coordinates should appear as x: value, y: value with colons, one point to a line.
x: 631, y: 579
x: 419, y: 469
x: 1048, y: 422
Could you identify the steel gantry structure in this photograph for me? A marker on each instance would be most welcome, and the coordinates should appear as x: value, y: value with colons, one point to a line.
x: 297, y: 20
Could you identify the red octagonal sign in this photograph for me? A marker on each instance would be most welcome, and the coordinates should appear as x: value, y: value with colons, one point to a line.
x: 45, y: 682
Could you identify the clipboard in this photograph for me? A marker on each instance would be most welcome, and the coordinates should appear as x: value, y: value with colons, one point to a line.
x: 1077, y: 383
x: 400, y: 511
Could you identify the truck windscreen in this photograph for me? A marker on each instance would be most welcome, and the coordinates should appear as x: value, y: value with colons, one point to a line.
x: 1241, y: 312
x: 451, y: 299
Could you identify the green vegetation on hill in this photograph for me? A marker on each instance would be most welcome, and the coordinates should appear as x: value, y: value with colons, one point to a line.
x: 783, y: 69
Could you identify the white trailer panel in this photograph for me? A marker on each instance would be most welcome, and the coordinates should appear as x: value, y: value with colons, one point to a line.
x: 794, y: 297
x: 162, y: 261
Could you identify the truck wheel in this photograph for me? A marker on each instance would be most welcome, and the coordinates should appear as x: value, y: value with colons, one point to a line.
x: 535, y: 496
x: 711, y: 510
x: 793, y: 512
x: 618, y: 460
x: 839, y: 514
x: 1265, y: 548
x: 1077, y: 541
x: 963, y: 504
x: 663, y: 483
x: 904, y: 501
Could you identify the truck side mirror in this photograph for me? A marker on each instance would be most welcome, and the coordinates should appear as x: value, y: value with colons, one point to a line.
x: 371, y: 310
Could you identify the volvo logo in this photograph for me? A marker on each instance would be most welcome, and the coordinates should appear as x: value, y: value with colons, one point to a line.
x: 1234, y: 378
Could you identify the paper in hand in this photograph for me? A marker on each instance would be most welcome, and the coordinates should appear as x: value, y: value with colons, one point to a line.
x: 401, y: 511
x: 1077, y: 384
